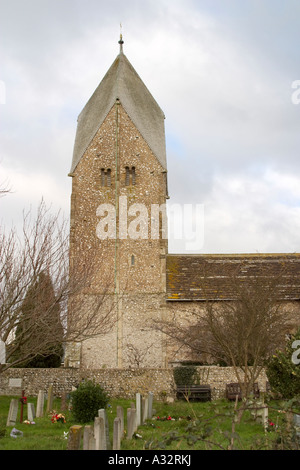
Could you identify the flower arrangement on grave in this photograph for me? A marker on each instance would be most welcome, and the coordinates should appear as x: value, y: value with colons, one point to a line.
x: 58, y: 418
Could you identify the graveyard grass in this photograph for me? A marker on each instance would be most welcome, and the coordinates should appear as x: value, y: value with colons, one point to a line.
x: 169, y: 428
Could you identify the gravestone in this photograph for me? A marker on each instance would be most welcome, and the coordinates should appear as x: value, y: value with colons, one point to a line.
x: 40, y: 404
x: 117, y: 434
x: 297, y: 424
x: 63, y: 403
x: 131, y: 422
x: 2, y: 352
x: 120, y: 414
x: 138, y: 407
x: 74, y: 440
x: 13, y: 412
x: 100, y: 433
x: 145, y: 409
x: 50, y: 399
x: 30, y: 412
x: 150, y: 404
x: 89, y: 442
x: 102, y: 414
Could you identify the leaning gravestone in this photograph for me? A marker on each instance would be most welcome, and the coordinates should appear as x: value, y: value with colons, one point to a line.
x: 13, y: 412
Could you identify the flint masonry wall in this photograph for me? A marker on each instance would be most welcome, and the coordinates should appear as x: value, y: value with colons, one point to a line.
x: 119, y: 383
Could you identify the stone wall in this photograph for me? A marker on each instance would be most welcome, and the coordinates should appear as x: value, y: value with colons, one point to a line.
x: 123, y: 383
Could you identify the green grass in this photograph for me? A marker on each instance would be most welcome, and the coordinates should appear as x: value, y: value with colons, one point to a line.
x: 190, y: 423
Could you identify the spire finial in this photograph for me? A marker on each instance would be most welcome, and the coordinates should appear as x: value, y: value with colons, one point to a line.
x: 121, y: 42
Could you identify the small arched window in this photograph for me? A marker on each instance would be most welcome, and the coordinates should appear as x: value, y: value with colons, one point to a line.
x: 129, y: 176
x: 105, y: 177
x: 132, y: 262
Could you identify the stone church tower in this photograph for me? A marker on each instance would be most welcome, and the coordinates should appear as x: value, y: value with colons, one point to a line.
x: 118, y: 220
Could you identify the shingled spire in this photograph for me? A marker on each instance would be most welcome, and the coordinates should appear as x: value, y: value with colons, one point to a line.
x: 122, y: 82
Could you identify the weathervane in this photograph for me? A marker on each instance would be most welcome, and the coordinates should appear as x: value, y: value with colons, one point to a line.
x: 121, y: 42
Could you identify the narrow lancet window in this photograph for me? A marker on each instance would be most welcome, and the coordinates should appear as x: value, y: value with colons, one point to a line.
x: 130, y: 176
x: 105, y: 177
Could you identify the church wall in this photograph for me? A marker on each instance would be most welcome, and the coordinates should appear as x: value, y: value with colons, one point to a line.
x: 118, y: 383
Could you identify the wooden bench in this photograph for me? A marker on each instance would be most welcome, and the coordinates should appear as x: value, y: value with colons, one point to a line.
x: 233, y: 390
x: 194, y: 392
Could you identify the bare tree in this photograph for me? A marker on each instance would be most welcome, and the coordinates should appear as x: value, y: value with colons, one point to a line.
x: 240, y: 332
x: 43, y: 247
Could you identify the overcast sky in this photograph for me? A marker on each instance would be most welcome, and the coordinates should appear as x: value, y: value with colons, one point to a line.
x: 222, y: 71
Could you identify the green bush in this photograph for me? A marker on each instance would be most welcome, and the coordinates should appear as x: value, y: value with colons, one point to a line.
x: 283, y: 372
x: 87, y: 400
x: 184, y: 375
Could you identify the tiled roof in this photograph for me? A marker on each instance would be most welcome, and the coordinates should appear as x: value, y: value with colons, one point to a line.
x: 210, y: 277
x: 122, y: 82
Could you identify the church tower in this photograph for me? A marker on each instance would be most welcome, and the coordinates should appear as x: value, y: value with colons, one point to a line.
x: 118, y: 222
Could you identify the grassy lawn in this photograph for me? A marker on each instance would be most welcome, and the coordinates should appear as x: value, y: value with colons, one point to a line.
x: 177, y: 426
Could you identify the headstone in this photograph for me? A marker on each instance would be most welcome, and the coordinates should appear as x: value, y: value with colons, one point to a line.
x: 30, y: 412
x: 138, y: 407
x: 50, y: 399
x: 117, y: 434
x: 150, y: 404
x: 88, y: 438
x: 144, y: 409
x: 131, y: 422
x: 297, y: 424
x: 74, y: 440
x: 13, y: 412
x: 100, y: 433
x: 40, y: 404
x: 63, y: 402
x: 2, y: 352
x: 261, y: 415
x: 120, y: 414
x: 102, y: 414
